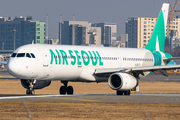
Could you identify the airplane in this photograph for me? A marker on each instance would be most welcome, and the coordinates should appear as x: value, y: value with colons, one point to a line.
x: 38, y: 64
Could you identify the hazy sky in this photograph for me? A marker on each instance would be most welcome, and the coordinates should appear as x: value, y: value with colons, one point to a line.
x: 113, y: 11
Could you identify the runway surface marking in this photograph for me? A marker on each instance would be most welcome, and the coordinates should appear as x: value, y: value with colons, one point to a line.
x: 51, y: 96
x: 85, y: 100
x: 33, y: 96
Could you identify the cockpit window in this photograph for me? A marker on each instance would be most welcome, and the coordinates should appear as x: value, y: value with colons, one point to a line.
x: 33, y: 55
x: 28, y: 55
x: 13, y: 55
x: 21, y: 55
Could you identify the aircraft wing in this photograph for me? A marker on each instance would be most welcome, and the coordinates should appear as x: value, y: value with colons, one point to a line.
x: 3, y: 62
x: 137, y: 70
x: 173, y: 58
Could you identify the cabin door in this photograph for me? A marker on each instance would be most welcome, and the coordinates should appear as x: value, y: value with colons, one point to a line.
x: 45, y: 57
x: 119, y: 61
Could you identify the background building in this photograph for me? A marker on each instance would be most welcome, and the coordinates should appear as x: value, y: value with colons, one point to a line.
x: 174, y: 40
x: 139, y: 31
x: 25, y: 30
x: 124, y: 40
x: 94, y: 36
x: 108, y: 32
x: 73, y: 32
x: 84, y: 33
x: 53, y: 41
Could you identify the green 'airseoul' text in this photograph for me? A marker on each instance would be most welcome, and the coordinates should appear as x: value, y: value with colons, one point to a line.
x: 60, y: 57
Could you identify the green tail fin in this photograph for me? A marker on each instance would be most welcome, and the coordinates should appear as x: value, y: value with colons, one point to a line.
x: 157, y: 40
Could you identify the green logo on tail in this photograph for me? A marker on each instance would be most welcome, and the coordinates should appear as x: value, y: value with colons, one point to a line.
x: 157, y: 41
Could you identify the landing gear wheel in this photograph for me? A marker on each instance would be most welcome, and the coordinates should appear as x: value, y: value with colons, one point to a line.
x: 70, y: 90
x: 128, y: 92
x: 66, y: 89
x: 62, y: 90
x: 119, y: 92
x: 27, y: 92
x: 30, y: 92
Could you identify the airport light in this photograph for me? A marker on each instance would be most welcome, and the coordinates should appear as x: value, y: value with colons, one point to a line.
x: 14, y: 31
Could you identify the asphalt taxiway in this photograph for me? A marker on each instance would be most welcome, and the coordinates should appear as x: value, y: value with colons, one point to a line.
x: 105, y: 98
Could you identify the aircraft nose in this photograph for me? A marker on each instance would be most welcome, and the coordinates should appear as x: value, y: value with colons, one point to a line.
x: 12, y: 67
x: 19, y: 68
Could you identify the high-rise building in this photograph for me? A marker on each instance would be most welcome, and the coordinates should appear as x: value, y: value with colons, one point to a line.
x: 79, y: 33
x: 176, y: 24
x: 108, y: 32
x: 84, y: 33
x: 24, y: 29
x: 124, y: 40
x: 94, y: 36
x: 139, y: 31
x: 73, y: 32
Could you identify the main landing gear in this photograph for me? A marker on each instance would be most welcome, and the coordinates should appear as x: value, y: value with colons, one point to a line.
x: 128, y: 92
x: 66, y: 89
x: 31, y: 91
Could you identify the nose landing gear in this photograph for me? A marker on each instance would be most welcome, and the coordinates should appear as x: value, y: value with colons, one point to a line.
x: 66, y: 89
x: 31, y: 91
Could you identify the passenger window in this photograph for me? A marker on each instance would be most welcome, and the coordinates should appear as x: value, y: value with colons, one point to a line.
x: 13, y: 55
x: 21, y: 55
x: 33, y: 55
x: 28, y: 55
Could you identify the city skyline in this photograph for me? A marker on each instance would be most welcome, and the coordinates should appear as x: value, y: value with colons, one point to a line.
x: 92, y: 11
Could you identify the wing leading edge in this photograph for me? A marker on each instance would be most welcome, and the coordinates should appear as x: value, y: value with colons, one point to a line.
x: 139, y: 70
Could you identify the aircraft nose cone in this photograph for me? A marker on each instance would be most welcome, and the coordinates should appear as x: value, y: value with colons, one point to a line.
x: 20, y: 69
x: 12, y: 67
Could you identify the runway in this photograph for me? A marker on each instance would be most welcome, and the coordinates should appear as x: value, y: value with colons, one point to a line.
x: 100, y: 98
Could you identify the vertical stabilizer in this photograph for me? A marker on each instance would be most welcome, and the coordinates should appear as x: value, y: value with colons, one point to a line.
x: 157, y: 40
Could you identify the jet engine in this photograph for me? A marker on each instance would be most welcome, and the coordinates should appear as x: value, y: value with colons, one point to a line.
x: 122, y: 81
x: 37, y: 84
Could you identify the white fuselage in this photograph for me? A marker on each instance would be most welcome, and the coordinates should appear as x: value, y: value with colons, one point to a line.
x: 73, y: 63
